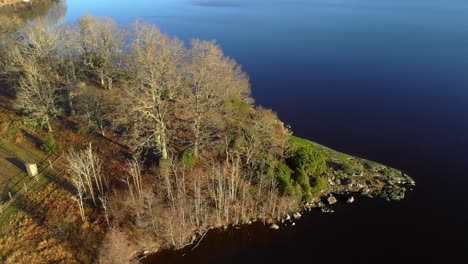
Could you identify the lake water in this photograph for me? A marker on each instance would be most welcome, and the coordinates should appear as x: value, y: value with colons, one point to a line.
x: 386, y: 80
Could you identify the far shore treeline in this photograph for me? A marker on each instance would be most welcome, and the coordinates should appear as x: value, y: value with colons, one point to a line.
x: 196, y: 152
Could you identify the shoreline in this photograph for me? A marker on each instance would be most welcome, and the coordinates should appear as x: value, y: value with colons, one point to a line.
x: 347, y: 177
x: 5, y: 4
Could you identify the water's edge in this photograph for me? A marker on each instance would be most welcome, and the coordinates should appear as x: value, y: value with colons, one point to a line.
x: 346, y: 176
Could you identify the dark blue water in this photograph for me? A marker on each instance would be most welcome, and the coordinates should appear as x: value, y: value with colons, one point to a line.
x: 383, y: 79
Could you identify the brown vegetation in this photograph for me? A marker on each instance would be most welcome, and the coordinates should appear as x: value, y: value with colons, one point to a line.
x: 162, y: 142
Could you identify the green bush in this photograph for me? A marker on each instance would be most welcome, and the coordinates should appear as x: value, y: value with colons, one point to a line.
x: 283, y: 178
x: 318, y: 184
x: 307, y: 157
x: 188, y: 159
x: 51, y: 145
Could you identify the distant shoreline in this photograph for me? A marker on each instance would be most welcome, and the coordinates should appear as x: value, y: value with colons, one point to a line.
x: 15, y: 3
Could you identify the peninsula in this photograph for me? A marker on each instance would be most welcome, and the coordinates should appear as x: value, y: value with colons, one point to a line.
x: 143, y: 144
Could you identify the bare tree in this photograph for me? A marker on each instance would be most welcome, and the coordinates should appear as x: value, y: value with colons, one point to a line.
x: 92, y: 109
x: 101, y: 45
x: 37, y: 96
x: 87, y: 166
x: 215, y: 80
x: 154, y: 64
x: 117, y: 249
x: 78, y: 183
x: 134, y: 169
x: 39, y: 83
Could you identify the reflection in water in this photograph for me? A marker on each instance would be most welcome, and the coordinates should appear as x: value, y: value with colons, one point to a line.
x: 51, y: 10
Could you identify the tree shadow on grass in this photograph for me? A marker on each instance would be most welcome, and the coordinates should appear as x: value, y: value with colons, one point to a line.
x: 33, y: 138
x: 17, y: 162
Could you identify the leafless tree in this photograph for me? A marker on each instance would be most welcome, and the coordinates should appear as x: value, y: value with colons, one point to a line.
x: 87, y: 166
x: 147, y: 107
x: 117, y: 249
x: 39, y: 83
x: 37, y: 96
x: 215, y: 80
x: 78, y: 183
x: 101, y: 45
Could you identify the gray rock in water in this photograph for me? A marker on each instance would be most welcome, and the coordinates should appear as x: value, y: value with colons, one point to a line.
x: 327, y: 210
x: 288, y: 217
x: 293, y: 224
x: 297, y: 215
x: 331, y: 200
x: 350, y: 200
x: 274, y: 227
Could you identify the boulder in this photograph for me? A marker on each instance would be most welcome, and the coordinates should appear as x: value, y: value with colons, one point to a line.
x: 350, y: 200
x: 331, y: 200
x: 297, y: 215
x: 274, y: 226
x: 391, y: 193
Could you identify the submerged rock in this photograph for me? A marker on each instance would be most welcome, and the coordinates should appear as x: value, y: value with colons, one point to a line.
x: 350, y: 200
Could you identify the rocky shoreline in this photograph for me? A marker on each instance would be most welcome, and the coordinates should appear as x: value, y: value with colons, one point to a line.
x: 348, y: 176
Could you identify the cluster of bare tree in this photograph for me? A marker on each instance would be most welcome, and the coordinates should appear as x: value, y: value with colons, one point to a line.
x: 205, y: 156
x: 87, y: 178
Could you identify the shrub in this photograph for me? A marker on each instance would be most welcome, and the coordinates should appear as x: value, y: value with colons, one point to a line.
x: 188, y: 159
x: 307, y: 157
x: 283, y: 178
x: 318, y: 184
x: 51, y: 145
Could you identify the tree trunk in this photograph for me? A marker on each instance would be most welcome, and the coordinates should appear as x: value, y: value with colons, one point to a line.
x: 49, y: 127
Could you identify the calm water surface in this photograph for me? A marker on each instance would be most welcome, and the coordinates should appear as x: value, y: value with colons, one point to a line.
x: 383, y: 79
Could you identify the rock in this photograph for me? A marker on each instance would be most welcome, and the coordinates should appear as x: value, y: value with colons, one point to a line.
x: 350, y: 200
x: 391, y: 193
x: 297, y: 215
x: 249, y: 222
x: 346, y: 181
x: 288, y: 217
x: 293, y: 224
x: 327, y: 210
x: 331, y: 200
x: 274, y: 226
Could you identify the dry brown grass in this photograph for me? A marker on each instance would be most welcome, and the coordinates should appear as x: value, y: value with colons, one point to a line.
x: 44, y: 225
x: 49, y: 233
